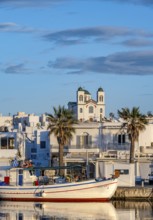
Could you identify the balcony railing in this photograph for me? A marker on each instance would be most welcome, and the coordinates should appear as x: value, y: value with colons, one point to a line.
x: 72, y: 149
x: 116, y: 146
x: 76, y: 147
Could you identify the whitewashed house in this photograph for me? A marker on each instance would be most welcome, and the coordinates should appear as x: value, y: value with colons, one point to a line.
x: 6, y: 121
x: 24, y: 141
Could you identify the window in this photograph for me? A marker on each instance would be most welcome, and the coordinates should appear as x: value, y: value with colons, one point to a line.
x: 42, y: 144
x: 81, y: 98
x: 7, y: 143
x: 121, y: 138
x: 100, y: 98
x: 101, y: 110
x: 91, y: 109
x: 3, y: 143
x: 122, y: 172
x: 81, y: 110
x: 84, y: 140
x: 33, y: 150
x: 11, y: 143
x: 20, y: 216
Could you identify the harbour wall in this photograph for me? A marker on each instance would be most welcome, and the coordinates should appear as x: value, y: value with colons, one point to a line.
x: 133, y: 193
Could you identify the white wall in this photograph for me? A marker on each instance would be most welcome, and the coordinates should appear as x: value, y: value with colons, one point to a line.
x: 10, y: 153
x: 146, y: 136
x: 6, y: 120
x: 106, y: 169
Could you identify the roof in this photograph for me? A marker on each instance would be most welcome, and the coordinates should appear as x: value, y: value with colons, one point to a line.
x: 84, y: 90
x: 91, y: 101
x: 72, y: 103
x: 100, y: 89
x: 80, y: 89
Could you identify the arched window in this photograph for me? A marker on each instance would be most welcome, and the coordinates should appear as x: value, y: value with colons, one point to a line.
x: 84, y: 140
x: 91, y: 110
x: 101, y: 110
x: 100, y: 98
x: 81, y: 110
x: 81, y: 98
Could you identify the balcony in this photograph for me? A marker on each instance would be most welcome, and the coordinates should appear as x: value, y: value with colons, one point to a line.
x: 116, y: 146
x: 76, y: 149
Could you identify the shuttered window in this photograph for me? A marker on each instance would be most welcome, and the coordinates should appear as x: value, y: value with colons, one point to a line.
x: 84, y: 140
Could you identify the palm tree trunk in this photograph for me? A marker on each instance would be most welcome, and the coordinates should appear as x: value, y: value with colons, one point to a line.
x: 61, y: 171
x: 132, y: 149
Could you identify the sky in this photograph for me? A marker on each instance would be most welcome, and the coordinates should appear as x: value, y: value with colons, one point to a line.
x: 49, y: 48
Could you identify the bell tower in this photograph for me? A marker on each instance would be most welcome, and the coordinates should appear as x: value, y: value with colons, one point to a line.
x: 101, y: 103
x: 80, y: 96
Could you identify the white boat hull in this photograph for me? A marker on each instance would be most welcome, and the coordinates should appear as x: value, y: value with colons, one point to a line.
x: 86, y: 191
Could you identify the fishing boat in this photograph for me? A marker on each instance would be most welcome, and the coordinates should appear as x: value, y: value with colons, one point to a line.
x: 22, y: 184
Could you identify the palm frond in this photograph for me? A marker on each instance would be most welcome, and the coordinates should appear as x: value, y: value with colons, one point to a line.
x: 134, y: 122
x: 61, y: 125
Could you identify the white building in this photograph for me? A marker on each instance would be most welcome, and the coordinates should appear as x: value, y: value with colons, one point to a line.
x: 30, y: 120
x: 24, y: 141
x: 85, y: 145
x: 87, y: 109
x: 96, y: 139
x: 37, y: 146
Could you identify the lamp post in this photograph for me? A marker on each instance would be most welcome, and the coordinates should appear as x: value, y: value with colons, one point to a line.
x: 87, y: 164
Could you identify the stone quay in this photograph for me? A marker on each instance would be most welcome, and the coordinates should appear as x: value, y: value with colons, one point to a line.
x: 134, y: 193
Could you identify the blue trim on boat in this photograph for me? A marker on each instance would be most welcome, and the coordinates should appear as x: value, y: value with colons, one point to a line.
x: 52, y: 186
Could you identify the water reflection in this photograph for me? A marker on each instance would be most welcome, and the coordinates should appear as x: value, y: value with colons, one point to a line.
x: 117, y: 210
x: 132, y: 210
x: 60, y: 211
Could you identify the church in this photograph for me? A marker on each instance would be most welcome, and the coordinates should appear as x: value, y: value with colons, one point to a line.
x: 87, y: 109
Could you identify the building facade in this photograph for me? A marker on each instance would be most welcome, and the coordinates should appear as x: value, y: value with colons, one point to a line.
x: 87, y: 109
x: 25, y: 138
x: 96, y: 137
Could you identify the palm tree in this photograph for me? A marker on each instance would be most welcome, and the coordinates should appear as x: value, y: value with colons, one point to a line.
x: 134, y: 122
x: 61, y: 125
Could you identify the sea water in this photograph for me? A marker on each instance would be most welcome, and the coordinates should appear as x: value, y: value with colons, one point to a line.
x: 117, y: 210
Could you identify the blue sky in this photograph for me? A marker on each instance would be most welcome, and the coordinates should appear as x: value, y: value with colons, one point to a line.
x: 49, y: 48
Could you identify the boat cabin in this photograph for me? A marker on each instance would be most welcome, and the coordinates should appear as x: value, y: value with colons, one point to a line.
x: 20, y: 176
